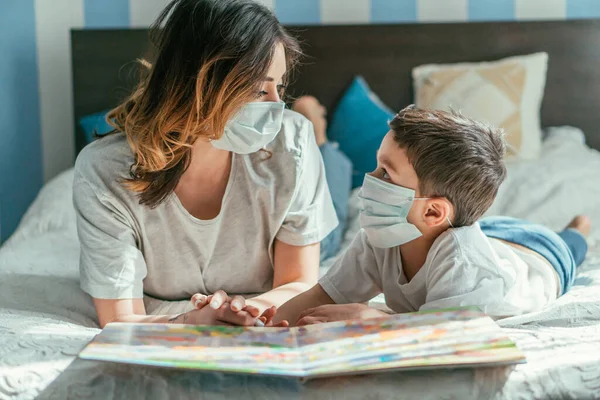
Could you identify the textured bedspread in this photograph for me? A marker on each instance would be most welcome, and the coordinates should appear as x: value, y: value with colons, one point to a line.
x: 45, y: 319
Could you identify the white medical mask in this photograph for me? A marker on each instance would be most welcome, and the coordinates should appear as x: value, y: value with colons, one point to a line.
x: 252, y: 128
x: 384, y: 210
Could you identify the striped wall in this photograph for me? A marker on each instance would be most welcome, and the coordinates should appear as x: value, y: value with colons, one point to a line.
x: 35, y: 68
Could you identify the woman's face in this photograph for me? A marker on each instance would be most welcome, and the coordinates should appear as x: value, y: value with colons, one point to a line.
x: 272, y: 88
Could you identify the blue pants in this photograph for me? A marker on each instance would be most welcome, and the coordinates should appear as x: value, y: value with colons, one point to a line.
x: 565, y: 250
x: 338, y: 171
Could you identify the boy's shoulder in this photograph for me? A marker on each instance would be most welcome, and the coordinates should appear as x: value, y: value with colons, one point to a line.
x: 459, y: 242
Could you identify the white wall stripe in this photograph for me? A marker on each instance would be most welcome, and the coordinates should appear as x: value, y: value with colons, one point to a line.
x: 541, y: 9
x: 268, y: 3
x: 345, y: 12
x: 144, y: 12
x: 54, y: 19
x: 442, y: 10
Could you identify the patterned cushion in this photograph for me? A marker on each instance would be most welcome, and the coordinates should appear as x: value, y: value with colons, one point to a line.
x: 507, y: 93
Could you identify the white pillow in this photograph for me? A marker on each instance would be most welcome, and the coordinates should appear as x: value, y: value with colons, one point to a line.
x: 506, y: 93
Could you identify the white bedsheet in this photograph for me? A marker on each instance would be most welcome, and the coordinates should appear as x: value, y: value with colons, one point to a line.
x: 45, y: 319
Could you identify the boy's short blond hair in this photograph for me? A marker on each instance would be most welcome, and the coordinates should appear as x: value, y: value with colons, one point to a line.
x: 454, y: 157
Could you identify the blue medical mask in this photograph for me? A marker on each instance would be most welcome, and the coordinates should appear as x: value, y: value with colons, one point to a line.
x: 252, y: 128
x: 383, y: 214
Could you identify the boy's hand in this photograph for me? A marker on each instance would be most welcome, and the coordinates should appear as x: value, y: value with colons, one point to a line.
x: 337, y: 312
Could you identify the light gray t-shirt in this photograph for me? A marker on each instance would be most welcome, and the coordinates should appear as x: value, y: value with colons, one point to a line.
x: 128, y: 249
x: 463, y: 268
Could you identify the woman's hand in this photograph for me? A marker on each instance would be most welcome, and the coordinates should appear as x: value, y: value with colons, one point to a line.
x: 337, y: 312
x: 221, y: 316
x: 237, y: 306
x: 215, y: 301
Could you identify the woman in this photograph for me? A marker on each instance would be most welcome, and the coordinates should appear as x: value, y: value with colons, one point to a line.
x: 209, y: 186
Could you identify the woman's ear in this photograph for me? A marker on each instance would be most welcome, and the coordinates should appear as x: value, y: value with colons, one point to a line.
x: 437, y: 212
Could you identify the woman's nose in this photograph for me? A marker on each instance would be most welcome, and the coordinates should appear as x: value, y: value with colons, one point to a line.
x: 272, y: 96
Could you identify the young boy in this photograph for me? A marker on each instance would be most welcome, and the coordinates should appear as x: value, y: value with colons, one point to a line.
x: 421, y: 243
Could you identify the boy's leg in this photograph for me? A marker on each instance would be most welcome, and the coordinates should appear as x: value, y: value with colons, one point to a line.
x: 575, y: 235
x: 540, y: 239
x: 338, y: 171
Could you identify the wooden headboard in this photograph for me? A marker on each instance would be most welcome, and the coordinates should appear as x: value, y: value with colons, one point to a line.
x: 104, y: 67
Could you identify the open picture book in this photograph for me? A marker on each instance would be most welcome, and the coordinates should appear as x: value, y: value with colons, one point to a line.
x: 440, y: 339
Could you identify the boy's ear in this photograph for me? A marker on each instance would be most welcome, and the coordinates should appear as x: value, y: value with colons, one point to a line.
x: 437, y: 212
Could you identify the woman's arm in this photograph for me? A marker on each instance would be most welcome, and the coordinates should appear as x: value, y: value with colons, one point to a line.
x: 125, y: 310
x: 296, y: 269
x: 133, y: 310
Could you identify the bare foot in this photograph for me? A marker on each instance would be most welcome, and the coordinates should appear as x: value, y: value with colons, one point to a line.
x: 310, y: 107
x: 582, y: 224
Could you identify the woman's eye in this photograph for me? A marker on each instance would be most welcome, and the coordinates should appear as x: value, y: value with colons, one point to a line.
x: 262, y: 93
x: 281, y: 89
x: 386, y: 176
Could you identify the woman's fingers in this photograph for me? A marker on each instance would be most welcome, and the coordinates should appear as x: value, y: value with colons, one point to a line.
x: 199, y: 300
x: 268, y: 314
x: 219, y: 298
x: 255, y: 312
x: 238, y: 303
x: 280, y: 324
x: 267, y: 319
x: 227, y: 315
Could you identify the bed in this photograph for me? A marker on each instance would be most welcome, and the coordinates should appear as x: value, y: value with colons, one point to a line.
x: 45, y: 319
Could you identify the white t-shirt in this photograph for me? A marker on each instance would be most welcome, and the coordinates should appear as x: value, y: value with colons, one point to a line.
x: 463, y: 268
x: 128, y: 249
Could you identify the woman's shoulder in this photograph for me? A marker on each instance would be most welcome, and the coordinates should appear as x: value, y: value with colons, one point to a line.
x: 106, y: 159
x: 295, y: 135
x: 293, y: 153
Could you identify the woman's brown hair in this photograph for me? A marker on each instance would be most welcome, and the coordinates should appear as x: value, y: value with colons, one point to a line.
x: 213, y: 56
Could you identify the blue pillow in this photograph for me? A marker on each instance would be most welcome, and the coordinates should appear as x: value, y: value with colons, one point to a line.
x: 94, y: 124
x: 359, y: 124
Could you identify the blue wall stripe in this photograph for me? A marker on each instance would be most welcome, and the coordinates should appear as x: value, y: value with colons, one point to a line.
x: 383, y: 11
x: 583, y: 8
x: 491, y: 10
x: 296, y: 12
x: 106, y: 13
x: 20, y: 153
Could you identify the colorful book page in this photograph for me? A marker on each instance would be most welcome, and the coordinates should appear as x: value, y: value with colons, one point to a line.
x: 447, y: 338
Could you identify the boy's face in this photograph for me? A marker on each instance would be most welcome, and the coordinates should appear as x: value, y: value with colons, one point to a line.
x: 393, y: 167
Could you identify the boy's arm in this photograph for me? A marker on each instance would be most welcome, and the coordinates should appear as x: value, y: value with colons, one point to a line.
x: 291, y: 310
x: 353, y: 278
